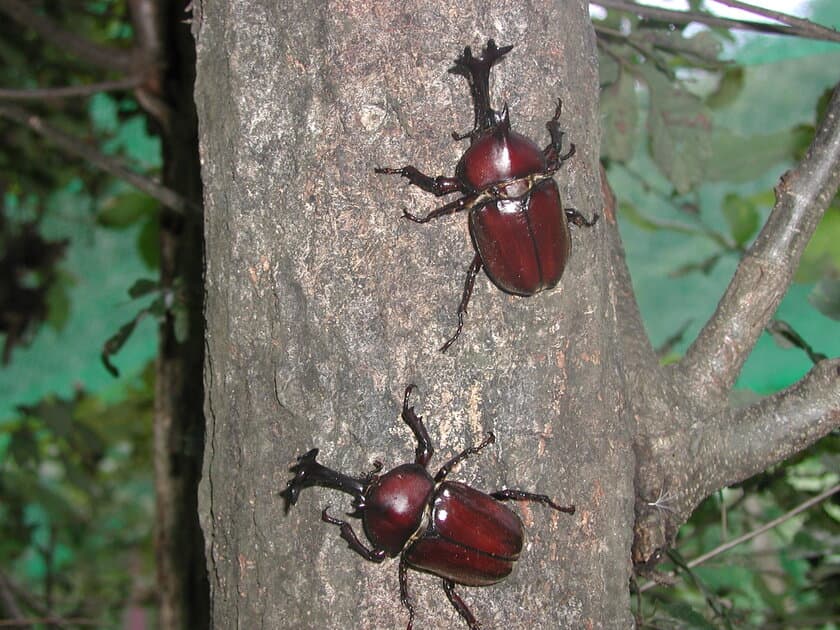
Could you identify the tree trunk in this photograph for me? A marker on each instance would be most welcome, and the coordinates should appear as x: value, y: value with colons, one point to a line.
x: 322, y: 305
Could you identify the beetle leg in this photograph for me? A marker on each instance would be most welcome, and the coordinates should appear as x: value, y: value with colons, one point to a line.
x: 424, y: 451
x: 462, y: 203
x: 460, y: 606
x: 521, y: 495
x: 472, y: 272
x: 347, y: 533
x: 472, y: 450
x: 573, y: 216
x: 404, y: 598
x: 438, y: 186
x: 552, y: 152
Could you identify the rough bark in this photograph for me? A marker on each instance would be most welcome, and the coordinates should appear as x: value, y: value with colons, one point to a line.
x: 322, y: 305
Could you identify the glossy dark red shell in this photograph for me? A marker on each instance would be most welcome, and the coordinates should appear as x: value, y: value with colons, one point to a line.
x: 498, y: 155
x: 472, y: 539
x: 393, y: 506
x: 524, y: 243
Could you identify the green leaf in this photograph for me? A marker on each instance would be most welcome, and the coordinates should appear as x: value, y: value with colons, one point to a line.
x: 58, y: 303
x: 57, y: 415
x: 741, y: 216
x: 728, y: 89
x: 126, y: 209
x: 629, y: 211
x: 143, y: 286
x: 739, y: 158
x: 115, y: 343
x: 680, y: 126
x: 23, y: 447
x: 148, y: 243
x: 822, y: 255
x: 619, y: 117
x: 825, y: 297
x: 680, y: 611
x: 102, y: 110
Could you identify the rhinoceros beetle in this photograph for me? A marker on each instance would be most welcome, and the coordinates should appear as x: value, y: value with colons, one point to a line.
x: 445, y: 528
x: 518, y: 225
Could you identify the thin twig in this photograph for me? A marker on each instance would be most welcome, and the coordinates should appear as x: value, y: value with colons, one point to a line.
x: 792, y: 26
x: 68, y: 91
x: 76, y: 147
x: 10, y: 603
x: 108, y: 57
x: 805, y: 505
x: 791, y: 20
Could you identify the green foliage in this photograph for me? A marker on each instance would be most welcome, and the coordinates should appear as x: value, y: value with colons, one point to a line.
x: 687, y: 179
x: 76, y: 496
x: 166, y: 303
x: 786, y: 577
x: 694, y: 146
x: 108, y: 230
x: 77, y: 505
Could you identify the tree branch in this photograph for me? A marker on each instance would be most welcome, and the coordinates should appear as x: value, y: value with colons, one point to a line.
x: 68, y: 91
x: 714, y: 360
x: 76, y: 147
x: 739, y: 443
x: 796, y: 27
x: 806, y: 27
x: 107, y: 57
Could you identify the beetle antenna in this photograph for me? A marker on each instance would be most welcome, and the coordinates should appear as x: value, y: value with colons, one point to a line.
x: 477, y: 72
x: 309, y: 472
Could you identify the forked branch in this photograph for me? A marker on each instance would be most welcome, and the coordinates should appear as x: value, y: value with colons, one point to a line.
x: 714, y: 360
x: 739, y: 443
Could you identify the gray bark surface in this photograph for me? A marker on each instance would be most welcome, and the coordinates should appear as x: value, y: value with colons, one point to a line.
x: 323, y: 304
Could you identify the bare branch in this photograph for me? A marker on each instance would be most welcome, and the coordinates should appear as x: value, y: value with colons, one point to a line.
x: 806, y: 27
x: 714, y: 360
x: 108, y: 57
x: 10, y: 603
x: 739, y: 443
x: 68, y: 91
x: 791, y: 26
x: 78, y: 148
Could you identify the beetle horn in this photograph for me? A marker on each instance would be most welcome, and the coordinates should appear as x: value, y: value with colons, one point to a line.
x: 309, y: 472
x: 502, y: 125
x: 477, y: 72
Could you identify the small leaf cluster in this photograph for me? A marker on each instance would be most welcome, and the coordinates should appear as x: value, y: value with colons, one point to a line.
x: 77, y: 506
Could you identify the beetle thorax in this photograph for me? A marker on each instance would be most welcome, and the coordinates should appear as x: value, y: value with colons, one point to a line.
x: 500, y: 155
x: 394, y: 506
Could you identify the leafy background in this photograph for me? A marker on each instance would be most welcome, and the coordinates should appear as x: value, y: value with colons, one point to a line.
x: 693, y: 147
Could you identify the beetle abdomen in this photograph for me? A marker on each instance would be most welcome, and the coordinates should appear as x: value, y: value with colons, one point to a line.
x: 524, y: 243
x: 455, y: 562
x: 472, y: 538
